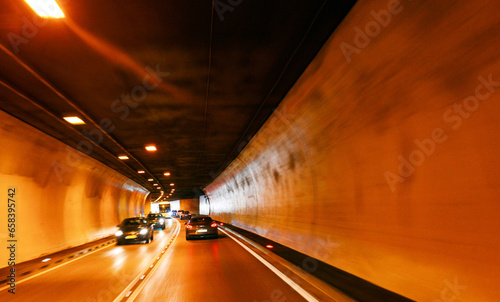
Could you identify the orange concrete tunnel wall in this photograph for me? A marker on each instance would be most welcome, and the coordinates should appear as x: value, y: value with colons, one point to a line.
x: 58, y: 208
x: 383, y: 160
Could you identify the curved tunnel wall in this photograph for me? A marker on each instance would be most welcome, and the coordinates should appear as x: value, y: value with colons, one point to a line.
x: 56, y: 210
x: 383, y: 159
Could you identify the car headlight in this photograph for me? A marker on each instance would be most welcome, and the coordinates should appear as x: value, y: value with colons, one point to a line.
x: 143, y: 231
x: 162, y: 220
x: 119, y: 233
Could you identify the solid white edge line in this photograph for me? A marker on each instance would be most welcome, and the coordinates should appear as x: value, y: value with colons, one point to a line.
x: 55, y: 267
x: 139, y: 288
x: 139, y: 277
x: 289, y: 281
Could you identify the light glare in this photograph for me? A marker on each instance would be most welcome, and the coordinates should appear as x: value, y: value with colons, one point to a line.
x: 123, y: 157
x: 46, y: 8
x: 151, y: 148
x: 75, y: 120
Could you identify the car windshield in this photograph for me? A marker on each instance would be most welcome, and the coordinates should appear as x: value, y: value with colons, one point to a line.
x: 201, y: 219
x: 129, y: 222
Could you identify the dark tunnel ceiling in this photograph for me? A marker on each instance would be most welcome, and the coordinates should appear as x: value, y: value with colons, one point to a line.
x: 255, y: 53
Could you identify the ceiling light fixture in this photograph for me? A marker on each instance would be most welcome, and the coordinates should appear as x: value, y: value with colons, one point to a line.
x: 155, y: 185
x: 166, y: 173
x: 151, y: 148
x: 74, y: 120
x: 123, y: 157
x: 172, y: 184
x: 46, y: 8
x: 150, y: 179
x: 141, y: 171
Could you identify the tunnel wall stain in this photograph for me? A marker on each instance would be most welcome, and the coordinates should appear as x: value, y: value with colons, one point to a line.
x: 383, y: 159
x: 52, y: 213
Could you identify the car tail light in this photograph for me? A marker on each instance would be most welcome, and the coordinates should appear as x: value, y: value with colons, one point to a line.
x: 214, y: 224
x: 189, y: 226
x: 222, y: 223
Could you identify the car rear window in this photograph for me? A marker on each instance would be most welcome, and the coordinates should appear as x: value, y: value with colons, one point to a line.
x: 201, y: 219
x: 132, y: 222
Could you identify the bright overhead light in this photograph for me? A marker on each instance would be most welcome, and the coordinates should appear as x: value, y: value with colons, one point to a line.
x: 46, y: 8
x: 172, y: 184
x: 151, y: 148
x: 150, y: 179
x: 123, y: 157
x: 155, y: 185
x: 166, y: 173
x: 141, y: 171
x: 75, y: 120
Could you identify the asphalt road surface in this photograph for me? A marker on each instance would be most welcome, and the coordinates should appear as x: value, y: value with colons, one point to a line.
x: 195, y: 270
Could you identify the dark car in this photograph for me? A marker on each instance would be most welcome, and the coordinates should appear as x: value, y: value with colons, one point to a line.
x: 157, y: 220
x: 185, y: 215
x: 179, y: 213
x: 134, y: 230
x: 201, y: 226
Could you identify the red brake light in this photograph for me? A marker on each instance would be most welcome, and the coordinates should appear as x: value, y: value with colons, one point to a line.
x: 222, y: 223
x: 214, y: 224
x: 189, y: 226
x: 269, y: 246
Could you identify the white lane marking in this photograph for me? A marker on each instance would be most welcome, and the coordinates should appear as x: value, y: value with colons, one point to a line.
x: 143, y: 273
x: 289, y: 281
x: 128, y: 294
x: 55, y: 267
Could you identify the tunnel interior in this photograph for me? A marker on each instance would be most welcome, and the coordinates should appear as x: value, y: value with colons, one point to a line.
x: 361, y: 135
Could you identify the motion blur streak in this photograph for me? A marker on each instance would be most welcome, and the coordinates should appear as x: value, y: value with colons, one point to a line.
x: 217, y: 270
x: 121, y: 59
x: 86, y: 196
x: 100, y: 276
x: 407, y: 102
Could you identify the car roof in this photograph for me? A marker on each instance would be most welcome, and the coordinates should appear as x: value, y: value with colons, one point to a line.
x: 202, y: 216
